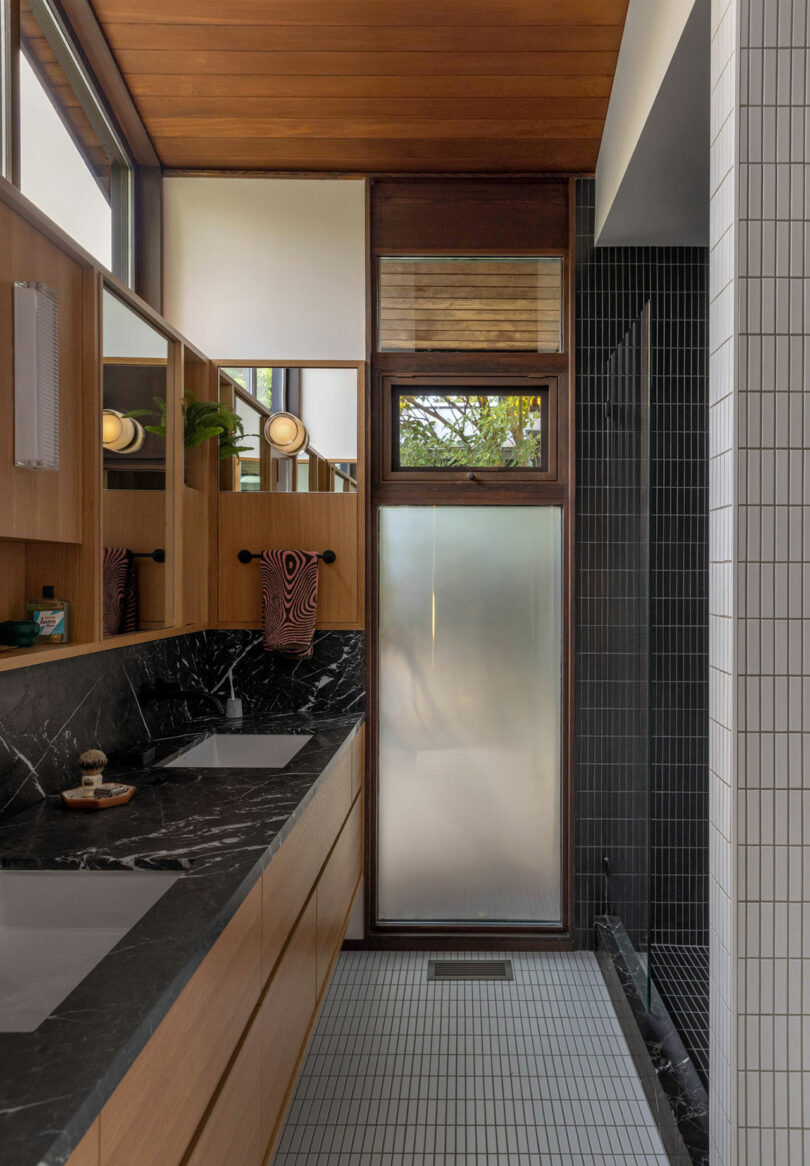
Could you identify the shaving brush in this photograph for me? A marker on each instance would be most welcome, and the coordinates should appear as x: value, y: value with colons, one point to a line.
x: 92, y: 765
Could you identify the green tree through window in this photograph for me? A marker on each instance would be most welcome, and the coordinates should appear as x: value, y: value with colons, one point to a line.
x: 481, y: 430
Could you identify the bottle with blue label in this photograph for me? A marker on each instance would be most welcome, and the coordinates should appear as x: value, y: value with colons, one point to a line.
x: 52, y: 617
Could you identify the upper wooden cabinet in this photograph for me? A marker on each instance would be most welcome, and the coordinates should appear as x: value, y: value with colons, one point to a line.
x: 55, y: 525
x: 44, y: 505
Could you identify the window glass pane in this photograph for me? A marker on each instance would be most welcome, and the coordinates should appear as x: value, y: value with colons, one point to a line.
x: 477, y: 429
x: 55, y: 174
x: 264, y: 387
x: 240, y: 375
x: 470, y: 644
x: 252, y: 421
x: 504, y: 304
x: 258, y: 382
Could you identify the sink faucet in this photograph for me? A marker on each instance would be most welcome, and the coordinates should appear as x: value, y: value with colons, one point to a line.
x: 171, y: 690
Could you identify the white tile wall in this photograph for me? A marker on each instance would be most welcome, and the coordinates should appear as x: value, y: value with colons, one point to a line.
x: 722, y: 412
x: 760, y: 583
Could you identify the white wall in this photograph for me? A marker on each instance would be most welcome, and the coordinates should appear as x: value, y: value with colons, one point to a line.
x: 266, y: 269
x: 127, y: 334
x: 329, y: 411
x: 759, y: 630
x: 652, y: 31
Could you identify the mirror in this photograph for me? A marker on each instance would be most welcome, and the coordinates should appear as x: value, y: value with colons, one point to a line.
x: 134, y: 512
x: 320, y: 423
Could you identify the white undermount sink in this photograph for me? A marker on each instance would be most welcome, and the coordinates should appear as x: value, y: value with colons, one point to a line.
x: 242, y: 751
x: 55, y: 926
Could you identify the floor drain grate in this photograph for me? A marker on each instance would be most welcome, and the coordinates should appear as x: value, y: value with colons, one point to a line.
x: 470, y: 970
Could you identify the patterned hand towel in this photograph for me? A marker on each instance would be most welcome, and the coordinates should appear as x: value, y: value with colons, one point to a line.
x: 120, y: 592
x: 289, y: 601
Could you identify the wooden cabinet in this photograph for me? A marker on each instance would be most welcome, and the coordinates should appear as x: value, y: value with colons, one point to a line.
x: 334, y: 800
x: 42, y: 504
x: 213, y: 1084
x: 233, y: 1131
x: 358, y: 760
x: 152, y: 1116
x: 287, y: 883
x: 87, y: 1151
x: 335, y: 892
x: 285, y: 1017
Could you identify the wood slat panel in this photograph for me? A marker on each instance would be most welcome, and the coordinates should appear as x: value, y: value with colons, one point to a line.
x: 205, y: 76
x: 363, y: 12
x: 348, y: 108
x: 393, y: 316
x: 406, y: 157
x: 426, y: 129
x: 135, y: 61
x: 470, y: 346
x: 424, y: 88
x: 332, y: 38
x: 411, y: 303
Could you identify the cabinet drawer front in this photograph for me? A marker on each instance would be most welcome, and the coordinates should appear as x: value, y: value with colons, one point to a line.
x: 285, y: 1017
x: 286, y: 883
x: 333, y: 801
x: 336, y: 891
x: 233, y: 1131
x: 358, y: 760
x: 154, y: 1112
x: 86, y: 1153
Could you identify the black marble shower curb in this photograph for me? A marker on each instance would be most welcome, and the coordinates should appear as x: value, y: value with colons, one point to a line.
x: 671, y: 1084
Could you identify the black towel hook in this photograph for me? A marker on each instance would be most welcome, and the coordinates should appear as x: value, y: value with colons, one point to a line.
x: 246, y: 556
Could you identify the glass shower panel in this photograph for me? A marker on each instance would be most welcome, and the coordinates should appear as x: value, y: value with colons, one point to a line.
x: 470, y: 651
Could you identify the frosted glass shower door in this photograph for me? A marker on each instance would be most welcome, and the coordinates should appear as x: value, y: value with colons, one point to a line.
x: 470, y: 643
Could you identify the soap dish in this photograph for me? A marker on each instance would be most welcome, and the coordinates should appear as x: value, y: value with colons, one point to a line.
x: 114, y: 793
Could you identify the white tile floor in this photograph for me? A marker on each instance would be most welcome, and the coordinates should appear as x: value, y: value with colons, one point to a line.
x: 403, y: 1071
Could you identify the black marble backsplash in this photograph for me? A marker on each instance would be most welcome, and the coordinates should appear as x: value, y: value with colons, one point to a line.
x: 50, y: 713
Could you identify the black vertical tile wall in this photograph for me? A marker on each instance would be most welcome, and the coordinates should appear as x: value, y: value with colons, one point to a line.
x: 666, y: 895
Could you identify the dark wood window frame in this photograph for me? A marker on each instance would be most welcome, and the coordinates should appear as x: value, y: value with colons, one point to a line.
x: 414, y: 216
x: 395, y: 385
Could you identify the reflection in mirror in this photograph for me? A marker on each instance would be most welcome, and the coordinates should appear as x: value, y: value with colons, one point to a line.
x: 134, y: 463
x: 322, y: 400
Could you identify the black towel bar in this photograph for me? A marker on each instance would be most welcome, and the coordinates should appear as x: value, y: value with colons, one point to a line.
x: 159, y: 555
x: 246, y: 556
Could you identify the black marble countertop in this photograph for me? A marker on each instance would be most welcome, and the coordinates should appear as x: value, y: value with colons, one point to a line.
x: 220, y: 828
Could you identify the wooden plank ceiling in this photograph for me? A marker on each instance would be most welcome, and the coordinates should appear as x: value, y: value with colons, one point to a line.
x: 370, y: 86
